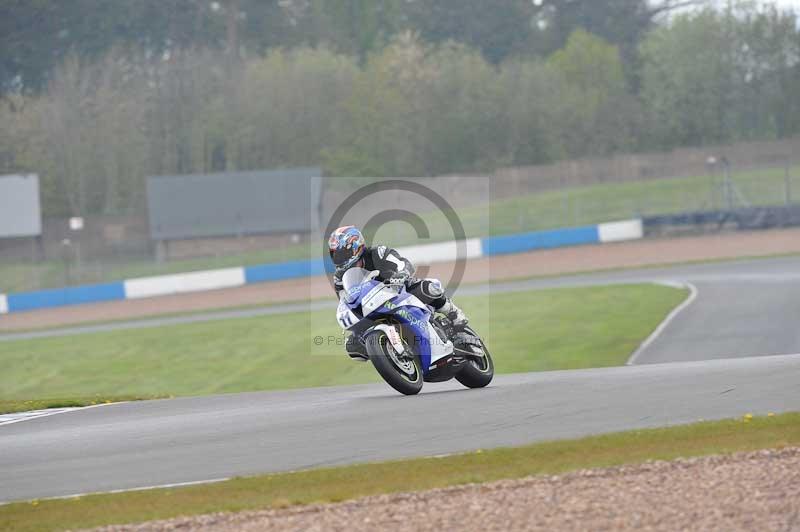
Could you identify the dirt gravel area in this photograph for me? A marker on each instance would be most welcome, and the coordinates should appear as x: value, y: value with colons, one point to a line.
x: 544, y: 262
x: 746, y: 491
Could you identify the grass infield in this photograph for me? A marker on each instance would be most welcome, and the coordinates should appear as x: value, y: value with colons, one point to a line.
x: 342, y: 483
x: 527, y: 331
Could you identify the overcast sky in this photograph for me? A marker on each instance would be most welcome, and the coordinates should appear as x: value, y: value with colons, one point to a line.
x: 783, y: 3
x: 795, y: 4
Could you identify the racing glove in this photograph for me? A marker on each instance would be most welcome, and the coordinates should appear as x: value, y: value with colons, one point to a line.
x: 398, y: 279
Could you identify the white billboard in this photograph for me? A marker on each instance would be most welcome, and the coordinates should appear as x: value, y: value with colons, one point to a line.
x: 20, y: 212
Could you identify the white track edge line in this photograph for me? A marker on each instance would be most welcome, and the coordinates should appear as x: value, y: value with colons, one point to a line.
x: 670, y: 317
x: 48, y: 414
x: 124, y: 490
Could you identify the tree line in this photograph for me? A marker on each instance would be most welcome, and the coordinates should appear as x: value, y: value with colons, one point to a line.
x: 36, y: 35
x: 374, y: 95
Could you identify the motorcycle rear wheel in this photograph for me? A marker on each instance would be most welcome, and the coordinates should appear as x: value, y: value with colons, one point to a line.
x: 406, y: 378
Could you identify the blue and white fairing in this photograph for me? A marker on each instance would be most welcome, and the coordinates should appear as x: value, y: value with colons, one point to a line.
x: 366, y: 299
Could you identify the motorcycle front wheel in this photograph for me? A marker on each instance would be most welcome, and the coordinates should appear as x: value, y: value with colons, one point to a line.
x: 401, y: 372
x: 478, y: 371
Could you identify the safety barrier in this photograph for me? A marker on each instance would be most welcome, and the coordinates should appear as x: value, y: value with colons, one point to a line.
x: 283, y: 270
x: 231, y: 277
x: 740, y: 219
x: 182, y: 283
x: 60, y: 297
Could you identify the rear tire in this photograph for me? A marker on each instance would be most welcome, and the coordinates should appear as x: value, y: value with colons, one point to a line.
x: 378, y: 346
x: 478, y: 372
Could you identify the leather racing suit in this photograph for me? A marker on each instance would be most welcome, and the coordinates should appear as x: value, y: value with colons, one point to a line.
x: 392, y: 266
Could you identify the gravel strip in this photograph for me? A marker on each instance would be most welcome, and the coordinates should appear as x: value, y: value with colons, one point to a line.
x: 746, y: 491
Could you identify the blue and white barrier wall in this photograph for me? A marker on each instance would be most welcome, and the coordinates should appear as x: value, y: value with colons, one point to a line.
x: 620, y: 231
x: 232, y: 277
x: 442, y: 251
x: 59, y: 297
x: 182, y: 283
x: 556, y: 238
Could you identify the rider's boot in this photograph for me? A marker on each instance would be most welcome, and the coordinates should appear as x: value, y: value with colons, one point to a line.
x: 356, y: 348
x: 455, y: 314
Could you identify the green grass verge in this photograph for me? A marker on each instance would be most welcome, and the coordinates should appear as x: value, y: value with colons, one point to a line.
x: 608, y: 202
x: 11, y: 406
x: 545, y: 210
x: 526, y: 331
x: 342, y: 483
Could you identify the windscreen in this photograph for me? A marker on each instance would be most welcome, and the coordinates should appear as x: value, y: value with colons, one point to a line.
x: 354, y: 277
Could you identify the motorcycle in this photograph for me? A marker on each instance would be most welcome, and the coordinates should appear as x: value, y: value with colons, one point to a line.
x: 406, y: 341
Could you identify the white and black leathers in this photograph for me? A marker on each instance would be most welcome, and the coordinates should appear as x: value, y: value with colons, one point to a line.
x: 393, y: 266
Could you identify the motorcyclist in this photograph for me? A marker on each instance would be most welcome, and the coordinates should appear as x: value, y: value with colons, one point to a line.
x: 348, y: 249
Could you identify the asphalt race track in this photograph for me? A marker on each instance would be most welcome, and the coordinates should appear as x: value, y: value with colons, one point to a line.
x: 746, y: 309
x: 182, y: 440
x: 741, y: 308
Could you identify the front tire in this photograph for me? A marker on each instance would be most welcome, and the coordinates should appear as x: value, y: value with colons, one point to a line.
x: 401, y: 372
x: 478, y: 371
